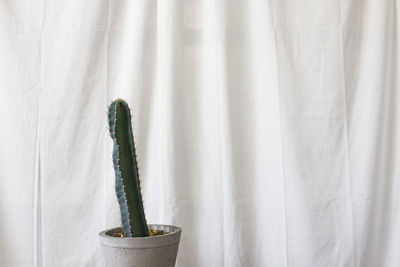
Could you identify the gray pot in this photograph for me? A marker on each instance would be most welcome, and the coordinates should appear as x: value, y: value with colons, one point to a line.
x: 150, y: 251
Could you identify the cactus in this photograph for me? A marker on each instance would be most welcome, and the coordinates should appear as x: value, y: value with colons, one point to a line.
x: 127, y: 184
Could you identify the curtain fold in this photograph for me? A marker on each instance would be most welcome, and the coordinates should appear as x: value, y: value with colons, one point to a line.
x: 267, y: 130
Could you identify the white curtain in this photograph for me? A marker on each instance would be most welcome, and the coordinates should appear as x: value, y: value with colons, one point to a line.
x: 267, y: 129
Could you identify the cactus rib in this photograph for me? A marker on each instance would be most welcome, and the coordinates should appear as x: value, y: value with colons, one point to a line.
x: 127, y: 183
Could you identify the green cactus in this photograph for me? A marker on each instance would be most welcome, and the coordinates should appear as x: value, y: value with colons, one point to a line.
x: 127, y: 184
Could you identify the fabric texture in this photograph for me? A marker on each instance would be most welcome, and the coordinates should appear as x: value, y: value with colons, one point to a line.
x: 267, y: 130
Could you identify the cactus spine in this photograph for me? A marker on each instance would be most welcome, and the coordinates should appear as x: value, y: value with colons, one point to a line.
x: 127, y: 184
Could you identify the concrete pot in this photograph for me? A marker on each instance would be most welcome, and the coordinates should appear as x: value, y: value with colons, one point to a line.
x: 150, y: 251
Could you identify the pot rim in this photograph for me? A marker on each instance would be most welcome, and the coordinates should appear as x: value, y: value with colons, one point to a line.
x: 142, y: 242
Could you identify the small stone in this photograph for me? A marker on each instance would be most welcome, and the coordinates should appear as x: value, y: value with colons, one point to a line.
x: 155, y: 232
x: 118, y: 235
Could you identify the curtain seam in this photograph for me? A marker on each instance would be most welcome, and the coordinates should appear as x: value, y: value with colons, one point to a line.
x: 107, y: 95
x: 162, y: 110
x: 219, y: 41
x: 346, y: 130
x: 283, y: 174
x: 283, y: 184
x: 37, y: 202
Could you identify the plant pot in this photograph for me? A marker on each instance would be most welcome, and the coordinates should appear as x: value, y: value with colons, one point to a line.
x: 152, y: 251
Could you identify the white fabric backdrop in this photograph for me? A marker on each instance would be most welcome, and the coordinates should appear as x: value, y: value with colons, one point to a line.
x: 268, y: 130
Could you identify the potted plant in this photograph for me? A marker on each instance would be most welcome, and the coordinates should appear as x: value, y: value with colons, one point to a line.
x: 135, y: 243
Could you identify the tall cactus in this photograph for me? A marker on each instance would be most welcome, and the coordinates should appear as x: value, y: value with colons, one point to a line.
x: 127, y: 184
